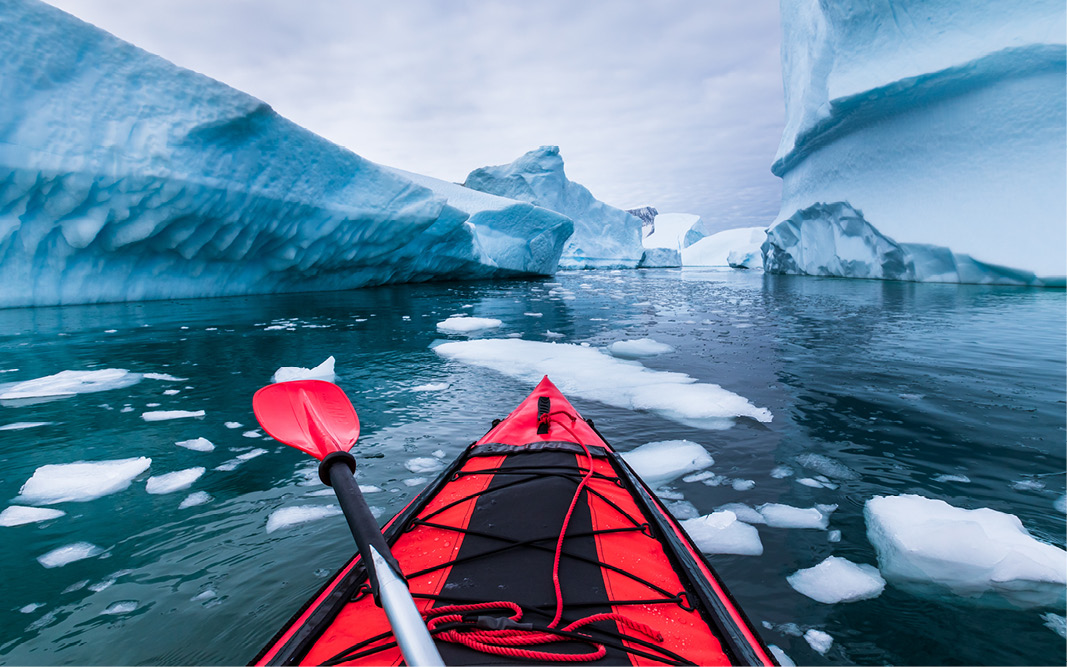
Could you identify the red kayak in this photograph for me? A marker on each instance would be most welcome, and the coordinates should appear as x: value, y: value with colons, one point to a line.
x: 537, y: 545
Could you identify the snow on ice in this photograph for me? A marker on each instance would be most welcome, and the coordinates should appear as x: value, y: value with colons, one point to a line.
x: 81, y: 481
x: 173, y: 481
x: 722, y: 533
x: 324, y: 371
x: 838, y: 579
x: 661, y: 462
x: 588, y: 373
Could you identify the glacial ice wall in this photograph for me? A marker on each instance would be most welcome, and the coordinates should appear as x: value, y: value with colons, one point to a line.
x: 943, y: 121
x: 125, y: 177
x: 604, y: 236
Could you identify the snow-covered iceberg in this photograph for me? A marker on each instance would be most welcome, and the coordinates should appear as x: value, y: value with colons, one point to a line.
x: 125, y: 177
x: 943, y: 121
x: 604, y: 236
x: 667, y: 234
x: 739, y: 248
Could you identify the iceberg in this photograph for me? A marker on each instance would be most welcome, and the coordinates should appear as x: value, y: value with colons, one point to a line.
x: 604, y: 236
x: 124, y: 177
x: 924, y: 141
x: 733, y: 247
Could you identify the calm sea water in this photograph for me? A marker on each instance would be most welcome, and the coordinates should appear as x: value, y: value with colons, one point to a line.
x: 900, y: 382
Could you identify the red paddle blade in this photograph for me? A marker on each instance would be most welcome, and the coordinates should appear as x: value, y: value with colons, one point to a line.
x: 311, y: 415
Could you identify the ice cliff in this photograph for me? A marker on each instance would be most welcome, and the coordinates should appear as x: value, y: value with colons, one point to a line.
x: 125, y: 177
x: 604, y: 236
x: 943, y: 122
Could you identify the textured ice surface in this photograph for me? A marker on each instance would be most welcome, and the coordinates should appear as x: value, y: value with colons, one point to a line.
x: 178, y: 480
x: 586, y: 372
x: 827, y: 466
x: 465, y: 325
x: 1061, y: 503
x: 964, y: 479
x: 838, y: 580
x: 195, y: 498
x: 780, y: 655
x: 197, y: 445
x: 660, y: 462
x: 638, y: 349
x: 126, y: 177
x: 722, y: 533
x: 943, y: 121
x: 1056, y: 622
x: 69, y: 383
x: 164, y: 415
x: 929, y: 545
x: 324, y: 371
x: 69, y: 553
x: 818, y: 640
x: 16, y: 515
x: 715, y: 250
x: 291, y: 516
x: 743, y: 512
x: 603, y: 237
x: 660, y: 258
x: 432, y: 386
x: 80, y: 481
x: 423, y: 464
x: 786, y: 516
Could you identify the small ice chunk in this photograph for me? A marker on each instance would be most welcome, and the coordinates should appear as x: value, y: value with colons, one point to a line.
x: 833, y: 536
x: 742, y: 484
x: 438, y: 453
x: 552, y: 334
x: 18, y: 426
x: 780, y: 655
x: 246, y: 456
x: 121, y: 607
x: 787, y: 516
x: 466, y: 325
x: 838, y: 580
x: 69, y: 553
x: 1028, y: 485
x: 433, y: 386
x: 819, y: 641
x: 1061, y: 503
x: 926, y: 544
x: 827, y: 466
x: 16, y: 515
x: 197, y: 445
x: 699, y: 476
x: 722, y: 533
x: 743, y: 512
x: 781, y: 472
x: 204, y: 596
x: 667, y: 493
x: 952, y: 478
x: 164, y: 377
x: 324, y: 371
x: 683, y: 509
x: 1056, y: 623
x: 366, y: 488
x: 533, y: 314
x: 172, y: 392
x: 252, y: 434
x: 638, y: 349
x: 807, y: 481
x: 69, y: 383
x: 415, y: 481
x: 291, y: 516
x: 663, y: 461
x: 81, y: 481
x: 30, y: 608
x: 195, y: 498
x: 233, y: 424
x: 173, y: 481
x: 76, y: 586
x: 163, y: 415
x: 423, y: 465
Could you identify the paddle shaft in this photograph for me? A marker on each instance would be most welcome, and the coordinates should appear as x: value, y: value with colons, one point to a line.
x: 384, y: 572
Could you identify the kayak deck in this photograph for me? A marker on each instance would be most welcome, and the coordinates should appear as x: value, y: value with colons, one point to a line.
x: 623, y: 586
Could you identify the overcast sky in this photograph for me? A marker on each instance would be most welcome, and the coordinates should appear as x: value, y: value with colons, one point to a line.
x: 673, y: 103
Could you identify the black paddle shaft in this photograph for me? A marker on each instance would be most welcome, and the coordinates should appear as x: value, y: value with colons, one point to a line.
x: 338, y: 470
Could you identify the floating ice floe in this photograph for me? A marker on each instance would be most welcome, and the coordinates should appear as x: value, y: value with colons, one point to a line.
x: 80, y: 481
x: 819, y: 641
x: 787, y: 516
x: 195, y: 498
x: 683, y: 509
x: 964, y: 479
x: 233, y: 425
x: 742, y: 484
x: 1028, y: 485
x: 291, y: 516
x: 415, y: 481
x: 69, y: 383
x: 18, y: 426
x: 17, y: 515
x: 780, y: 655
x: 324, y: 371
x: 433, y: 386
x: 465, y: 325
x: 197, y: 444
x: 173, y: 481
x: 68, y: 554
x: 638, y: 349
x: 1056, y: 623
x: 587, y: 373
x: 929, y: 545
x: 422, y: 465
x: 121, y: 607
x: 164, y: 377
x: 833, y: 536
x: 838, y: 580
x: 743, y: 512
x: 163, y: 415
x: 30, y: 608
x: 722, y: 533
x: 827, y: 466
x: 781, y: 472
x: 661, y: 462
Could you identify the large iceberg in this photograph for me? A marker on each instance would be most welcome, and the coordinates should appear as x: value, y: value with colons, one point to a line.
x: 125, y: 177
x: 739, y: 248
x: 604, y: 236
x: 943, y: 121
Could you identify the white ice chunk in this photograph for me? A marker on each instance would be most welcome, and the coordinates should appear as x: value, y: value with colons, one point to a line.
x: 197, y: 444
x: 69, y: 383
x: 415, y: 481
x: 683, y: 509
x: 742, y: 484
x: 743, y: 512
x: 422, y: 465
x: 638, y: 349
x: 827, y: 466
x: 163, y: 415
x: 466, y: 325
x: 587, y: 373
x: 781, y: 472
x: 818, y: 640
x: 1061, y: 504
x: 164, y: 377
x: 121, y: 607
x: 30, y: 608
x: 291, y: 516
x: 18, y: 426
x: 68, y: 554
x: 1056, y: 623
x: 722, y: 533
x: 952, y: 478
x: 780, y: 655
x: 928, y: 544
x: 80, y: 481
x: 699, y: 476
x: 838, y: 580
x: 16, y: 515
x: 173, y: 481
x: 433, y: 386
x: 833, y: 536
x: 233, y: 425
x: 787, y: 516
x: 660, y: 462
x: 195, y: 498
x: 324, y: 371
x: 246, y: 456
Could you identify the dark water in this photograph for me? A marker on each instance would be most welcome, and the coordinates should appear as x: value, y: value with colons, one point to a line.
x: 899, y: 382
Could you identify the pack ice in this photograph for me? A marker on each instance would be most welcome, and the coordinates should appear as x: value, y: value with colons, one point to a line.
x: 604, y: 236
x: 924, y: 141
x: 928, y: 545
x: 125, y: 177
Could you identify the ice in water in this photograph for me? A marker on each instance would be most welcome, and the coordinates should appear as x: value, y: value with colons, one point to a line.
x: 465, y: 325
x: 18, y: 426
x: 291, y: 516
x: 638, y: 349
x: 819, y: 641
x: 69, y: 383
x: 324, y: 371
x: 722, y: 533
x: 422, y: 465
x: 1056, y: 623
x: 81, y: 481
x: 164, y: 415
x: 68, y: 554
x: 660, y: 462
x: 786, y: 516
x: 838, y: 580
x: 121, y: 607
x: 173, y: 481
x: 432, y: 386
x: 743, y: 512
x: 16, y: 515
x: 197, y: 444
x: 195, y: 498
